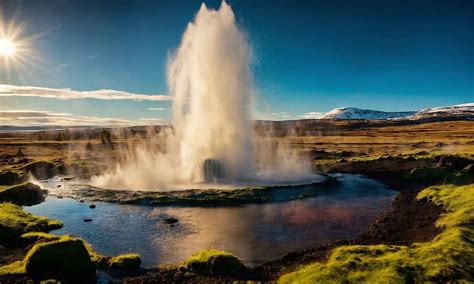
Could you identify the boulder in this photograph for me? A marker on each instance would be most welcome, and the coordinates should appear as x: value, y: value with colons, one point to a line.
x: 215, y: 263
x: 41, y: 169
x: 213, y: 170
x: 12, y: 177
x: 65, y: 259
x: 127, y: 262
x: 22, y: 194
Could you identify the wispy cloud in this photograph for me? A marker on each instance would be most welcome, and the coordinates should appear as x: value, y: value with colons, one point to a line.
x: 48, y: 118
x: 158, y: 109
x: 68, y: 94
x: 312, y: 115
x: 281, y: 115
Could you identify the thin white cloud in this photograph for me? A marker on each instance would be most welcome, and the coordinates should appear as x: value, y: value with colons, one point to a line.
x: 48, y: 118
x: 281, y: 115
x: 158, y: 109
x: 312, y: 115
x: 68, y: 94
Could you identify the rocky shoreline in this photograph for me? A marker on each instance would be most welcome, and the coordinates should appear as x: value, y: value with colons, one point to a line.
x: 208, y: 197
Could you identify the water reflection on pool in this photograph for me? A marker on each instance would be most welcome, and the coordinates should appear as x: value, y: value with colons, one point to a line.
x: 255, y: 233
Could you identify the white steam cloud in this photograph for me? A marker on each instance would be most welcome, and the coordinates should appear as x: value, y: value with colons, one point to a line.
x: 209, y: 78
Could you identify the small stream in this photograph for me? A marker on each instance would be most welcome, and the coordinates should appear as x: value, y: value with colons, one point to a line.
x: 254, y: 232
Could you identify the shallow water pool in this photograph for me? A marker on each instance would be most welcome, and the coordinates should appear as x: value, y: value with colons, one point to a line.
x: 255, y: 232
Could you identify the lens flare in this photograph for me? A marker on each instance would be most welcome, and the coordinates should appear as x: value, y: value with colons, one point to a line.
x: 7, y: 47
x: 17, y: 54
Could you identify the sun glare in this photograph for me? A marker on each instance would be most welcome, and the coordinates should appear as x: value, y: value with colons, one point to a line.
x: 7, y: 47
x: 18, y: 57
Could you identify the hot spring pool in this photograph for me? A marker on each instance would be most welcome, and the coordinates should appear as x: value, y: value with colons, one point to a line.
x: 255, y: 232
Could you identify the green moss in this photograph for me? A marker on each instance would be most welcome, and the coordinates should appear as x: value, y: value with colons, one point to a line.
x: 64, y: 258
x: 215, y: 262
x: 25, y: 193
x: 129, y: 262
x: 448, y: 257
x: 32, y: 237
x: 15, y: 268
x: 14, y: 222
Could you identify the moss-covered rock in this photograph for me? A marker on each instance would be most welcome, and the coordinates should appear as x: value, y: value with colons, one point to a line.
x: 41, y: 169
x: 25, y: 193
x: 14, y: 222
x: 215, y: 263
x: 127, y: 262
x: 33, y: 237
x: 12, y: 177
x: 65, y: 258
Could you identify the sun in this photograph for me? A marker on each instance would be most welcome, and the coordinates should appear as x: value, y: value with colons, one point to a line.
x: 19, y: 58
x: 7, y: 47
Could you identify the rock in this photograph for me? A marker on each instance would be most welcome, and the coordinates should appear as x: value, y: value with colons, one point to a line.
x: 41, y: 169
x: 469, y: 169
x: 12, y: 177
x: 92, y: 206
x: 87, y: 220
x: 22, y: 194
x: 171, y: 220
x: 454, y: 162
x: 127, y: 262
x: 15, y: 221
x: 65, y: 259
x: 213, y: 170
x: 215, y: 263
x: 347, y: 154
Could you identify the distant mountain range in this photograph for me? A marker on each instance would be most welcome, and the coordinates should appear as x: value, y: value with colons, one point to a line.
x: 349, y: 113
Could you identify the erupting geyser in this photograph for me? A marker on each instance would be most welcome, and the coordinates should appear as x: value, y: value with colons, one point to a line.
x: 209, y: 79
x: 212, y: 138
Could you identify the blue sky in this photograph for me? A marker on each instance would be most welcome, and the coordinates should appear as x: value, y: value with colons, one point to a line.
x: 310, y: 56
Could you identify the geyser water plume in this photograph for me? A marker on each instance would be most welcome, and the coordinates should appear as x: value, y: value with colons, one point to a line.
x: 212, y: 136
x: 209, y: 79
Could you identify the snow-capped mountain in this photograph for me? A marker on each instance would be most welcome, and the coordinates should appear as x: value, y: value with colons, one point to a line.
x: 464, y: 110
x: 456, y: 111
x: 357, y: 113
